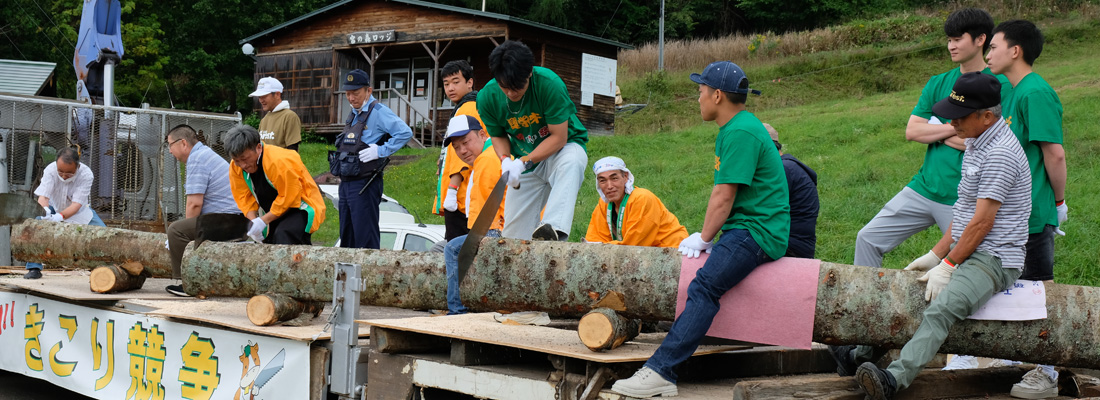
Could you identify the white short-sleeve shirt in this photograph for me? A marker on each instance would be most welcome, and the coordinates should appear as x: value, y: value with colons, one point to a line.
x: 62, y: 194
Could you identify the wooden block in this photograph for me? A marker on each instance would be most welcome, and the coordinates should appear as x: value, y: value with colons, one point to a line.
x: 318, y: 367
x: 389, y: 376
x: 930, y: 384
x: 613, y: 300
x: 473, y: 353
x: 760, y: 361
x: 394, y: 341
x: 112, y: 278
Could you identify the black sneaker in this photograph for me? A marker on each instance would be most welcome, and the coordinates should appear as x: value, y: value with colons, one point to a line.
x: 877, y: 382
x: 845, y: 363
x: 33, y: 274
x: 545, y: 232
x: 176, y: 290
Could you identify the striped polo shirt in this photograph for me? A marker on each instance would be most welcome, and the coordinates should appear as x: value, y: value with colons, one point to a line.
x: 994, y: 167
x: 208, y: 175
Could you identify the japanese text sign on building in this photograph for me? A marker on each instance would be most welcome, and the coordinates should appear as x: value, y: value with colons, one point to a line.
x: 371, y: 37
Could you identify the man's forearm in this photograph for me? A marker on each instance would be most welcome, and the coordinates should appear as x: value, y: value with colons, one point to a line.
x: 502, y: 146
x: 718, y: 210
x: 919, y: 130
x: 1054, y: 159
x: 971, y: 237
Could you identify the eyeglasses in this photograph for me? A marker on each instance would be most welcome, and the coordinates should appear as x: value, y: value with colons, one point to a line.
x: 173, y: 142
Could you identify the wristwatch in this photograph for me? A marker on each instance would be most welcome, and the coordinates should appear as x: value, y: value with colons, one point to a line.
x: 527, y: 164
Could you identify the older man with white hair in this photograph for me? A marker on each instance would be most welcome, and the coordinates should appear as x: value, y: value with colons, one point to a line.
x: 627, y: 214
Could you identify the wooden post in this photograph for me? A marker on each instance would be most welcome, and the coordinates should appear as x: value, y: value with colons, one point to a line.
x: 855, y: 305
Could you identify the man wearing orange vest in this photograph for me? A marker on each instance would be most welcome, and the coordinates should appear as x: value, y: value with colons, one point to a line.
x: 629, y: 215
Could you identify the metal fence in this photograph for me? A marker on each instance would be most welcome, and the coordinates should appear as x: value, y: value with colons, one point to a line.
x: 138, y: 184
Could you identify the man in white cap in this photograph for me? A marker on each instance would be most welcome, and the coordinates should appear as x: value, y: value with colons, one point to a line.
x: 629, y: 215
x: 470, y: 144
x: 281, y: 126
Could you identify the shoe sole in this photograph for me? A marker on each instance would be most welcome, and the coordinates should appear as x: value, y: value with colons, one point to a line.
x: 544, y: 234
x: 646, y: 394
x: 870, y: 384
x: 1030, y: 394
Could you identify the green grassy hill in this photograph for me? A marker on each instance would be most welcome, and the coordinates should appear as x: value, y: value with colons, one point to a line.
x: 843, y: 113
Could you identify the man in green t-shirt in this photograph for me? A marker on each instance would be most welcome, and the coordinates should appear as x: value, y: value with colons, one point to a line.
x: 535, y: 131
x: 749, y: 204
x: 928, y: 197
x: 1034, y: 113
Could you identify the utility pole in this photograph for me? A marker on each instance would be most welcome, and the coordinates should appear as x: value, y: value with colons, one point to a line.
x: 661, y: 40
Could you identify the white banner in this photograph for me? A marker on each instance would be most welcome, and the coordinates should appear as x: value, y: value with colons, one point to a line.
x: 112, y: 355
x: 598, y: 74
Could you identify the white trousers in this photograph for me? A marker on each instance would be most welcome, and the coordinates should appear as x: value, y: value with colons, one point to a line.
x: 550, y: 190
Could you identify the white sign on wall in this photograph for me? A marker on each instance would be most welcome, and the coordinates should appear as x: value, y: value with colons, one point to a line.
x: 598, y: 74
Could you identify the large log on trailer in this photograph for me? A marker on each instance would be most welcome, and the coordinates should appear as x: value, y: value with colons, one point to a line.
x: 855, y: 305
x: 88, y: 247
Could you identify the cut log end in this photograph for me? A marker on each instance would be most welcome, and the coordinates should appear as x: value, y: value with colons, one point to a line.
x: 112, y: 278
x: 272, y: 308
x: 604, y: 329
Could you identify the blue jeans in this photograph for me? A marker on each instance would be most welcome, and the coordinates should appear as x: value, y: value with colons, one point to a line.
x: 731, y: 259
x: 450, y: 258
x: 96, y: 221
x: 359, y: 213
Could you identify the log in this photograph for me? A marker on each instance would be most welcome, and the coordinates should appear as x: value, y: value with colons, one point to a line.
x: 856, y: 305
x: 603, y: 329
x: 112, y: 278
x: 272, y: 308
x: 88, y: 247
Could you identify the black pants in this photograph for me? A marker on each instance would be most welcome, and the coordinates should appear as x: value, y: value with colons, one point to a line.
x: 455, y: 223
x: 290, y: 228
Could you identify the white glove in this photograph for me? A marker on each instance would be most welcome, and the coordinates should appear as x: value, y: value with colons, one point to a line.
x: 256, y: 229
x: 369, y: 154
x: 166, y: 244
x: 55, y: 217
x: 694, y: 245
x: 514, y: 167
x: 924, y: 263
x: 451, y: 202
x: 936, y: 280
x: 48, y: 211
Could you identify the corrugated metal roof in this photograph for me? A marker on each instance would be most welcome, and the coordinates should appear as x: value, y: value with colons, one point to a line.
x: 24, y: 77
x: 461, y: 10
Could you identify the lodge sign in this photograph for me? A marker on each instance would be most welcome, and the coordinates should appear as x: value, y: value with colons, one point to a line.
x: 371, y: 37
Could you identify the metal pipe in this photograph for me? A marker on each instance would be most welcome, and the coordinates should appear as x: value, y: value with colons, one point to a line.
x: 108, y: 86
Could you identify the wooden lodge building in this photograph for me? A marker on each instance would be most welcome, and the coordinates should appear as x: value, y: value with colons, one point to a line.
x: 403, y: 44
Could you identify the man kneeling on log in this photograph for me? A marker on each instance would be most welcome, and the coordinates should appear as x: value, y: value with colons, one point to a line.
x: 275, y: 180
x: 207, y: 190
x: 471, y: 145
x: 982, y: 250
x: 748, y: 203
x: 629, y: 215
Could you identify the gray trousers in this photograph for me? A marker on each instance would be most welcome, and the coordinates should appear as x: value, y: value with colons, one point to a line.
x: 551, y: 189
x: 903, y: 216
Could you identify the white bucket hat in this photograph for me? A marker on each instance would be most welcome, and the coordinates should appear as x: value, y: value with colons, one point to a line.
x: 611, y: 164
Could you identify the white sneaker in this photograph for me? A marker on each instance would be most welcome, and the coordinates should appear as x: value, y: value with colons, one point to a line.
x: 1035, y: 385
x: 960, y: 361
x: 999, y: 363
x: 524, y: 318
x: 645, y: 383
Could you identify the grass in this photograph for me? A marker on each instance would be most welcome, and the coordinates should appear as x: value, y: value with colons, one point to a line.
x: 850, y: 131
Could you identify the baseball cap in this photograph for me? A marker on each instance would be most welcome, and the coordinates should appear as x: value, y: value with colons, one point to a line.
x: 355, y: 79
x: 725, y: 76
x: 973, y: 91
x: 267, y: 85
x: 459, y: 126
x: 772, y: 132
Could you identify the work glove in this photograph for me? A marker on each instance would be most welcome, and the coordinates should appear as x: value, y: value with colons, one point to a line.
x: 514, y: 167
x: 936, y: 280
x: 369, y: 154
x: 166, y: 244
x: 694, y: 245
x: 55, y: 217
x: 924, y: 263
x: 451, y: 202
x: 1063, y: 215
x: 256, y: 229
x: 48, y: 211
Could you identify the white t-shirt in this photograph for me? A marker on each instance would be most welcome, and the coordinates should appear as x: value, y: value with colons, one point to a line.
x: 62, y: 194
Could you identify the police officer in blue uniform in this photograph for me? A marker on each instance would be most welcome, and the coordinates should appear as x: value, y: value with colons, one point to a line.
x: 371, y: 133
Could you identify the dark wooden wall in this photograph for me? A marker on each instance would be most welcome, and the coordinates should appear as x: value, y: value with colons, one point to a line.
x: 307, y: 79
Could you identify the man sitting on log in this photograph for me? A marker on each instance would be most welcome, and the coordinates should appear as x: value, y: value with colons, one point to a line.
x: 983, y: 249
x: 802, y: 188
x: 275, y: 180
x: 64, y: 192
x: 470, y: 144
x: 629, y: 215
x: 207, y: 190
x: 748, y: 203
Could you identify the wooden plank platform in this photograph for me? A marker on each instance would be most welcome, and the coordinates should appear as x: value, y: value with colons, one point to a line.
x: 483, y: 329
x: 75, y: 286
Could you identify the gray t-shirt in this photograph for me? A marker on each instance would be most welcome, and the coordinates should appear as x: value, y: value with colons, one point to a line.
x: 994, y: 167
x: 208, y: 175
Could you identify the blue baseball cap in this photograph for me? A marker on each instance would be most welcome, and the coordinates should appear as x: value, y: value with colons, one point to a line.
x: 459, y: 126
x: 355, y: 79
x: 725, y: 76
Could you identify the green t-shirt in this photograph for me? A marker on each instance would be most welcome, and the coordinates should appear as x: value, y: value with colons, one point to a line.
x: 938, y: 177
x: 1034, y: 113
x: 524, y: 123
x: 745, y: 155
